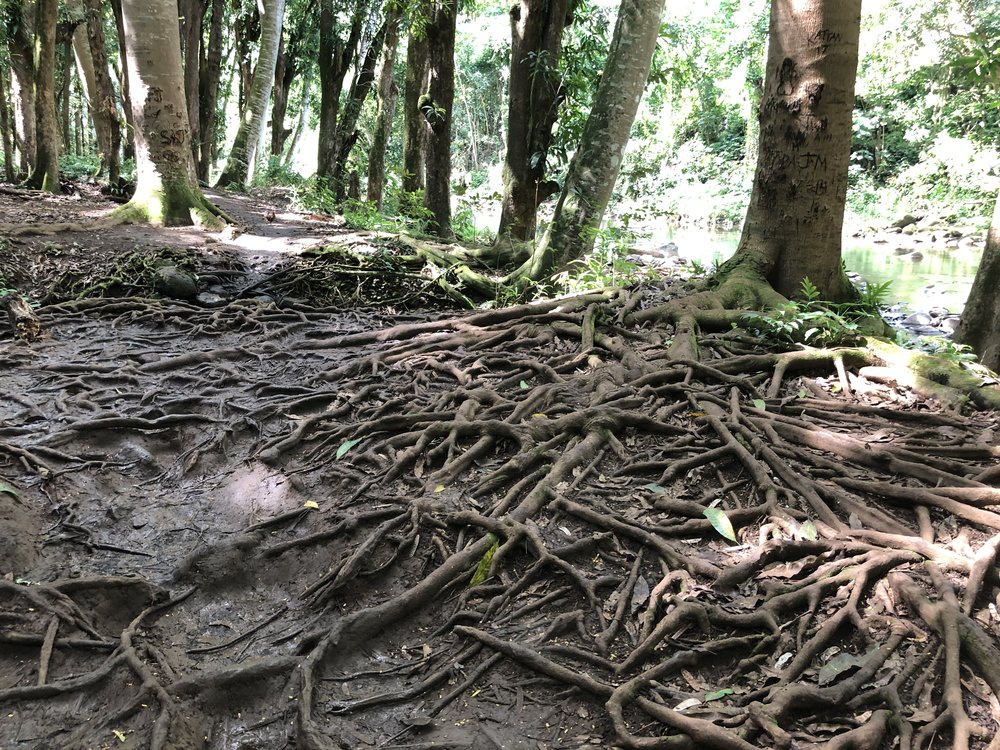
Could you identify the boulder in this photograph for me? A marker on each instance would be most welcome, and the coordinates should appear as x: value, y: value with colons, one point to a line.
x: 918, y: 319
x: 171, y: 281
x: 906, y: 221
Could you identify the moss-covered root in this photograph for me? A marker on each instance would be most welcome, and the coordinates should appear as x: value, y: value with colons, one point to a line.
x: 931, y: 375
x: 182, y: 207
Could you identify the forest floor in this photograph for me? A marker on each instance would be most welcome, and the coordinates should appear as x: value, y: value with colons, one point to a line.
x: 272, y: 517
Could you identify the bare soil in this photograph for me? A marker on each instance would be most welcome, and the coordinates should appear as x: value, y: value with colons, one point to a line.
x: 278, y: 518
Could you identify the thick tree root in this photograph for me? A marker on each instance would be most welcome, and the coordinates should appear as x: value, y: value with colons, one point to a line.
x: 376, y: 531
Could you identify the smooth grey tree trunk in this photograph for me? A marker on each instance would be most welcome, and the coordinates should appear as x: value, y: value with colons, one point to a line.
x: 248, y: 137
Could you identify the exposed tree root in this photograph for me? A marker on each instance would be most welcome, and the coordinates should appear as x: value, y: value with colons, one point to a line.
x: 364, y: 526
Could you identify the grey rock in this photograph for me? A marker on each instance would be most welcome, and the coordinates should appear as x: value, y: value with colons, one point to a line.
x: 210, y: 299
x: 915, y: 256
x: 950, y: 324
x: 171, y: 281
x: 918, y: 319
x: 906, y: 221
x: 909, y: 229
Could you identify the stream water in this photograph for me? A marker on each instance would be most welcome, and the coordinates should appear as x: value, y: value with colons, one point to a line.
x: 941, y: 278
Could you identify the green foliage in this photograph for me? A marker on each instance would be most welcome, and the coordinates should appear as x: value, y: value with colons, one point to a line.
x: 276, y: 173
x: 607, y: 265
x: 814, y: 322
x: 73, y: 167
x: 939, y: 346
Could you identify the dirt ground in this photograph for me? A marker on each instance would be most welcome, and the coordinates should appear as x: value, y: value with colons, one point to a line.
x: 270, y: 517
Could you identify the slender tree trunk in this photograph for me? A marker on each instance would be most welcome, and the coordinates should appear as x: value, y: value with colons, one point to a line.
x: 595, y: 166
x: 300, y: 125
x: 980, y: 326
x: 388, y: 92
x: 414, y: 145
x: 208, y: 99
x: 285, y: 68
x: 533, y: 102
x: 129, y: 140
x: 105, y: 107
x: 796, y: 214
x: 247, y: 33
x: 334, y: 59
x: 87, y: 75
x: 244, y: 149
x: 6, y: 130
x: 192, y: 15
x: 347, y: 134
x: 437, y: 107
x: 165, y: 191
x: 19, y: 47
x: 45, y: 175
x: 63, y: 94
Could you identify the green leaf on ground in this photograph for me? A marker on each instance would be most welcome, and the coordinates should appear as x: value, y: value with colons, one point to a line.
x: 524, y: 385
x: 718, y: 694
x: 654, y: 487
x: 809, y: 531
x: 346, y: 446
x: 760, y: 403
x: 720, y: 521
x: 6, y: 489
x: 483, y: 569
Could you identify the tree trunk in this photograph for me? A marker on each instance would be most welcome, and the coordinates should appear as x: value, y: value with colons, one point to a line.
x: 63, y: 94
x: 129, y: 140
x: 303, y: 120
x: 334, y: 59
x: 92, y: 63
x: 208, y: 96
x: 247, y: 32
x: 796, y: 214
x: 437, y: 107
x: 532, y: 106
x: 22, y: 65
x: 414, y: 145
x: 165, y: 191
x: 980, y: 326
x: 598, y: 159
x: 285, y: 68
x: 6, y: 131
x: 88, y: 78
x: 192, y: 15
x: 45, y: 175
x: 388, y: 93
x: 364, y: 80
x: 244, y: 149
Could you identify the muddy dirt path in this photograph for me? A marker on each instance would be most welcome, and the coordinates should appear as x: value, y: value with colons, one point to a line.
x: 269, y: 524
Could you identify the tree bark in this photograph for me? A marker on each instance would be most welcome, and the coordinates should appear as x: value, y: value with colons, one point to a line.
x: 129, y: 140
x: 414, y: 145
x: 93, y: 62
x: 532, y: 107
x: 244, y: 150
x: 210, y: 74
x: 45, y: 175
x: 6, y: 131
x: 796, y: 214
x: 192, y: 16
x: 388, y: 93
x: 980, y: 325
x: 165, y: 191
x: 285, y: 68
x: 597, y: 161
x: 364, y: 80
x: 335, y: 58
x: 22, y: 65
x: 301, y: 123
x: 437, y: 107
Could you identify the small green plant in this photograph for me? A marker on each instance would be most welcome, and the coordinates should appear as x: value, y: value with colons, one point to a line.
x: 314, y: 194
x: 939, y: 346
x: 276, y: 173
x: 607, y: 265
x: 811, y: 321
